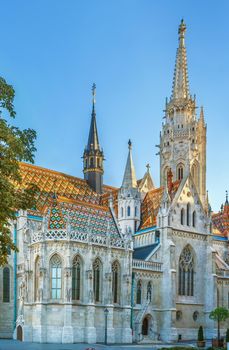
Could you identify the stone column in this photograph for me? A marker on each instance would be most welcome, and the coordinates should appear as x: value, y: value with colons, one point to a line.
x: 90, y: 330
x: 167, y: 330
x: 67, y: 333
x: 110, y: 326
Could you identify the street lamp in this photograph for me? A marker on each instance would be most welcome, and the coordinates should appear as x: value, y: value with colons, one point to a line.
x: 106, y: 311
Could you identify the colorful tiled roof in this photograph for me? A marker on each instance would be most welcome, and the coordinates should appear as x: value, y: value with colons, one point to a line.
x: 150, y: 207
x: 220, y: 221
x: 52, y: 182
x: 81, y: 217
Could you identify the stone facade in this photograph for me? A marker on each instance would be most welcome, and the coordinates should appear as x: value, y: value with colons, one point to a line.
x: 139, y: 262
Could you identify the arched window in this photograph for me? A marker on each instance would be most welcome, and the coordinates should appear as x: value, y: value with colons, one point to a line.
x: 182, y: 216
x: 122, y: 212
x: 139, y: 292
x: 149, y: 291
x: 194, y: 219
x: 115, y: 281
x: 76, y: 278
x: 128, y: 211
x: 186, y: 272
x: 91, y: 162
x: 135, y: 211
x: 37, y: 278
x: 188, y: 214
x: 55, y: 264
x: 180, y: 172
x: 6, y: 285
x: 194, y: 172
x: 96, y: 279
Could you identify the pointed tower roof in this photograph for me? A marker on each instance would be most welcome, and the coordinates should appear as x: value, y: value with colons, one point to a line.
x: 180, y: 88
x: 93, y: 139
x: 129, y: 179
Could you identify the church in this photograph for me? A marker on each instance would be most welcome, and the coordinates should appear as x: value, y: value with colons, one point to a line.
x: 120, y: 265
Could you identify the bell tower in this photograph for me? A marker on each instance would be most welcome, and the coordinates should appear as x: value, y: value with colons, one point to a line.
x: 183, y: 136
x: 93, y: 156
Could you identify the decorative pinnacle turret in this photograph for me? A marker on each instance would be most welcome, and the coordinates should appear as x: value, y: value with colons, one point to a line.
x: 226, y: 202
x: 129, y: 179
x: 181, y: 32
x: 180, y: 88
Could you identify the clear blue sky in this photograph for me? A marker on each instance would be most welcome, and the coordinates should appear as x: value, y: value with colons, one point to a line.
x: 53, y: 50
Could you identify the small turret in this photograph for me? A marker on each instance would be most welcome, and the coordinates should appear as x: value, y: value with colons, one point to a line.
x: 93, y: 155
x: 129, y: 198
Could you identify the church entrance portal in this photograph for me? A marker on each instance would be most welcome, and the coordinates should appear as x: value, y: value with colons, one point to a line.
x: 19, y: 333
x: 145, y: 326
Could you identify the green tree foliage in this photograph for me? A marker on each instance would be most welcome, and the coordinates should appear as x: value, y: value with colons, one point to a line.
x: 15, y: 145
x: 220, y: 314
x: 200, y: 334
x: 227, y: 335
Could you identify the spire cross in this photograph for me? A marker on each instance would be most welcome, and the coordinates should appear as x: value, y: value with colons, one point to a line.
x: 148, y: 167
x: 93, y: 92
x: 129, y: 144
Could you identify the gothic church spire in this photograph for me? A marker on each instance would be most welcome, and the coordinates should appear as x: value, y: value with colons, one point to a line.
x: 93, y: 140
x: 93, y: 155
x: 129, y: 179
x: 180, y: 88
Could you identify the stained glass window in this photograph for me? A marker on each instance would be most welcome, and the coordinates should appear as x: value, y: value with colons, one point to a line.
x: 96, y: 279
x: 56, y: 277
x: 76, y: 278
x: 186, y: 272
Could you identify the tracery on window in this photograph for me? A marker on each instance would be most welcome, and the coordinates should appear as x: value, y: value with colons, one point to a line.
x: 115, y: 281
x: 76, y: 278
x: 96, y: 279
x: 56, y: 272
x: 180, y: 172
x: 186, y: 273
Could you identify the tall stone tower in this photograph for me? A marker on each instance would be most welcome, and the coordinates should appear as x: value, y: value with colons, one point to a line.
x: 183, y: 137
x: 93, y: 155
x: 129, y: 198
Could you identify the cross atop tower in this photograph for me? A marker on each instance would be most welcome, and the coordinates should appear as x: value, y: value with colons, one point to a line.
x: 93, y: 92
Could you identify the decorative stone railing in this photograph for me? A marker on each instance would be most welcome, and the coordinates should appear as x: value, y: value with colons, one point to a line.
x: 60, y: 235
x: 222, y: 273
x: 147, y: 265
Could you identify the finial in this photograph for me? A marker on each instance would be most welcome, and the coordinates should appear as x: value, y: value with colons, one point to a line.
x: 129, y: 144
x: 226, y: 198
x: 93, y: 89
x: 181, y: 32
x: 148, y: 167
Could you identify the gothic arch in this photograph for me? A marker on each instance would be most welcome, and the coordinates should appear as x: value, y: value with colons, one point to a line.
x: 195, y: 173
x: 180, y: 171
x: 77, y: 281
x: 116, y: 283
x: 186, y: 271
x: 36, y: 277
x: 56, y: 267
x: 97, y: 279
